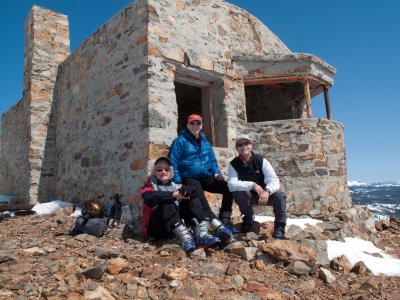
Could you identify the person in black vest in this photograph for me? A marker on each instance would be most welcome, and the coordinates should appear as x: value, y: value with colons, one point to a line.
x: 252, y: 180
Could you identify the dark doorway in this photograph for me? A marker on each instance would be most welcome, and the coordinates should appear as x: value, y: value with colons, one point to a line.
x: 188, y: 98
x: 195, y: 97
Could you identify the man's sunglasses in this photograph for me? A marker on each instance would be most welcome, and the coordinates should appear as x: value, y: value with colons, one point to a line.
x: 167, y: 169
x: 193, y: 123
x: 243, y: 144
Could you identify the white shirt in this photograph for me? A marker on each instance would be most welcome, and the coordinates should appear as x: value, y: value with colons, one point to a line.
x: 270, y: 179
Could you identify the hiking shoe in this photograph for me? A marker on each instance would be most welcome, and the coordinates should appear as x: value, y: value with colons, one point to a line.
x: 247, y: 223
x: 225, y: 235
x: 186, y: 239
x: 279, y: 231
x: 225, y: 218
x: 188, y: 245
x: 232, y: 228
x: 207, y: 241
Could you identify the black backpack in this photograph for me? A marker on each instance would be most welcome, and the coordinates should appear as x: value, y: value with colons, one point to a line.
x: 93, y: 226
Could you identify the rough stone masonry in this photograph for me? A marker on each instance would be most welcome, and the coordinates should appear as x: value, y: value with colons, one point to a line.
x: 91, y: 123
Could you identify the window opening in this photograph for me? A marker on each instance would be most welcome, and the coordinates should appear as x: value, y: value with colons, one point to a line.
x: 275, y: 101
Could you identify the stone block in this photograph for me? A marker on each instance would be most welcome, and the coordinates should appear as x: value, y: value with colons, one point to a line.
x: 298, y: 268
x: 326, y: 276
x: 176, y: 53
x: 292, y: 252
x: 205, y: 62
x: 156, y: 150
x: 138, y: 164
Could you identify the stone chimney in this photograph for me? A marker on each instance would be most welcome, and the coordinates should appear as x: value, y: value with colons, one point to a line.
x: 46, y: 46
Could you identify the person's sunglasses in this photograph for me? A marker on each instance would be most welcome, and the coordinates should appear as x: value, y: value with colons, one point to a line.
x: 167, y: 169
x: 193, y: 123
x: 243, y: 144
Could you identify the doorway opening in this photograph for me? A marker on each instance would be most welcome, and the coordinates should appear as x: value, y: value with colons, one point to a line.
x: 195, y: 97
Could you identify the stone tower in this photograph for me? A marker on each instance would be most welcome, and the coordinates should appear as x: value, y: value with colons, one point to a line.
x: 27, y: 128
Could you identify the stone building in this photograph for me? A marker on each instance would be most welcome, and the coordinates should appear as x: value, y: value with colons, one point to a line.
x: 90, y: 123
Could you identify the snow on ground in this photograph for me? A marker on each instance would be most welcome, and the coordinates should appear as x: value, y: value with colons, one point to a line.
x: 355, y: 249
x: 50, y: 207
x: 77, y: 212
x: 299, y: 222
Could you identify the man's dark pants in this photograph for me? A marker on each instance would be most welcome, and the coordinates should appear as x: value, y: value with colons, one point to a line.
x: 212, y: 185
x: 277, y: 200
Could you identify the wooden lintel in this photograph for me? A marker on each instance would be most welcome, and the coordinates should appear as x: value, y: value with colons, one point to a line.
x: 327, y: 104
x: 192, y: 81
x: 271, y: 80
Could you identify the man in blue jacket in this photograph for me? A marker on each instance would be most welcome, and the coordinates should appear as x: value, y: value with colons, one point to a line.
x: 194, y: 163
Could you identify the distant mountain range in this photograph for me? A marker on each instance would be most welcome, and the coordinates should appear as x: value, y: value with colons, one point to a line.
x: 376, y: 184
x: 382, y: 198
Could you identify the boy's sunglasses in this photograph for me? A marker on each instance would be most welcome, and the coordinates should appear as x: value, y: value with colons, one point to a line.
x: 167, y: 169
x: 243, y: 144
x: 193, y: 123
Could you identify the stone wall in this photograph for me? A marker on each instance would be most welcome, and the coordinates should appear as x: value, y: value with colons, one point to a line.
x: 26, y: 125
x: 46, y: 46
x: 198, y: 39
x: 309, y: 157
x: 14, y: 166
x: 102, y: 112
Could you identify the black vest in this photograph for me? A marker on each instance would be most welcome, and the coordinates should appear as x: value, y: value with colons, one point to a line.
x: 251, y: 172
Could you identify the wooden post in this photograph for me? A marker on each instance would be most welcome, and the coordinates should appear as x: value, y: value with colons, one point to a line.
x: 327, y: 104
x: 307, y: 98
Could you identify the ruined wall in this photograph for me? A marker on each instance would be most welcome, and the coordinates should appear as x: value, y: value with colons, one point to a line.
x: 204, y: 36
x: 25, y: 126
x: 14, y: 170
x: 102, y: 118
x: 309, y: 157
x: 46, y: 46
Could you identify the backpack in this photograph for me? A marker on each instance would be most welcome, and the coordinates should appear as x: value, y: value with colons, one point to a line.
x: 93, y: 226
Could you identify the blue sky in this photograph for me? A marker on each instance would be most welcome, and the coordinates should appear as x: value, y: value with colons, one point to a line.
x: 360, y: 38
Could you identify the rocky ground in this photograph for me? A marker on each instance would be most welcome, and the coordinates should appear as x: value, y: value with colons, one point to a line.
x: 39, y: 260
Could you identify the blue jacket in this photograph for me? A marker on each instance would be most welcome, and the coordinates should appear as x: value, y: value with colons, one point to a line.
x: 192, y: 160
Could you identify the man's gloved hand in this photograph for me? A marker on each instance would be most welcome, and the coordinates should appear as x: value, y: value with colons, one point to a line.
x: 187, y: 190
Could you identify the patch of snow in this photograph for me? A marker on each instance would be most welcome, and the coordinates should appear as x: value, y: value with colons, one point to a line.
x: 77, y: 213
x: 359, y: 250
x: 299, y: 222
x: 50, y: 207
x: 355, y: 249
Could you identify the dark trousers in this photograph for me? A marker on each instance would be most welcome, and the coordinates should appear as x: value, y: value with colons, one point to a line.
x: 277, y: 200
x: 168, y: 216
x: 212, y: 185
